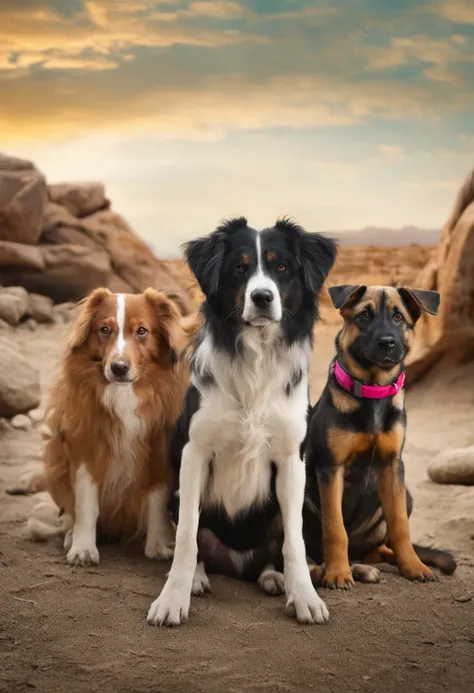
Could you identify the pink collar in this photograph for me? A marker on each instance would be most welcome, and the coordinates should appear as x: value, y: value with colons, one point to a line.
x: 367, y: 391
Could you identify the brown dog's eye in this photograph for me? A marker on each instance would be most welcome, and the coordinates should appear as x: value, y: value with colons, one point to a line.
x: 105, y: 330
x: 364, y: 315
x: 141, y: 331
x: 398, y: 317
x: 240, y: 269
x: 281, y: 267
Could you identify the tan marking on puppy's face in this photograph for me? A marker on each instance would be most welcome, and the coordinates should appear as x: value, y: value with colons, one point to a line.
x: 271, y: 256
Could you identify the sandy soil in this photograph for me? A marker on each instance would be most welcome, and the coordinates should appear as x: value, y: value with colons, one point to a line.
x: 64, y: 629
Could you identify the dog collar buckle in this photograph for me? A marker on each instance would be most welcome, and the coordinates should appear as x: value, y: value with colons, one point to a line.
x: 367, y: 391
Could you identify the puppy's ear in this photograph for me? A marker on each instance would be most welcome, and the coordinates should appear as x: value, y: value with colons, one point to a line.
x: 82, y: 324
x: 168, y: 324
x: 346, y: 295
x: 419, y: 300
x: 204, y: 257
x: 316, y: 254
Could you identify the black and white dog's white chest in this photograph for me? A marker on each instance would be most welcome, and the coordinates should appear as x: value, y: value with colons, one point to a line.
x: 252, y: 412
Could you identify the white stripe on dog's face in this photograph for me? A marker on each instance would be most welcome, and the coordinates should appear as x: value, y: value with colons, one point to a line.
x: 256, y: 313
x: 120, y: 324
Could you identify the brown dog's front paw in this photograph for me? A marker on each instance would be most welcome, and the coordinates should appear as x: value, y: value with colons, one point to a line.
x: 338, y: 578
x: 417, y: 571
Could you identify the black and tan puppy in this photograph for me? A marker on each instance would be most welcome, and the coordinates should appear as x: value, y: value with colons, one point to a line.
x: 357, y: 505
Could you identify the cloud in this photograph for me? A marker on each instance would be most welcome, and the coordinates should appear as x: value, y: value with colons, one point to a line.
x: 392, y: 151
x: 427, y: 186
x: 458, y: 11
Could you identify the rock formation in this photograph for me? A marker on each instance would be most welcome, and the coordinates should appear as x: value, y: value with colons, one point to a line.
x: 451, y: 272
x: 61, y: 241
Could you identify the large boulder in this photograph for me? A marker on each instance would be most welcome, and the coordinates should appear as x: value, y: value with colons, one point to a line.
x: 22, y: 201
x: 19, y: 382
x: 70, y: 273
x: 80, y: 199
x: 451, y: 272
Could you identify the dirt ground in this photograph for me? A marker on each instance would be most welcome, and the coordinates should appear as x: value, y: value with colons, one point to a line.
x: 84, y: 630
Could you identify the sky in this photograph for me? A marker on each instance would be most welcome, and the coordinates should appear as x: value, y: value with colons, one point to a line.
x: 341, y: 114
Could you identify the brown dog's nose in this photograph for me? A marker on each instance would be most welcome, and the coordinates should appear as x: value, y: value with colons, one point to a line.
x: 386, y: 343
x: 120, y: 368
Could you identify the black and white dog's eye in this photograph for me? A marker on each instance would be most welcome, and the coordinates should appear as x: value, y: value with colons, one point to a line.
x: 105, y: 330
x: 240, y: 269
x: 281, y: 267
x: 141, y: 331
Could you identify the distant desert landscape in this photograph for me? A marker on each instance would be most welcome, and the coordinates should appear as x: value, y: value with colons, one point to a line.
x: 85, y: 628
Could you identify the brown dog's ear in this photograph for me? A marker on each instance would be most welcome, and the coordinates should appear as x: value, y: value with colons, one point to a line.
x: 346, y: 295
x: 82, y: 324
x: 169, y: 330
x: 419, y: 300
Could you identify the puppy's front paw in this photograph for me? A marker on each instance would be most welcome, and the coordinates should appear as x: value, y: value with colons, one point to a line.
x: 307, y: 606
x: 339, y: 578
x: 83, y: 554
x: 417, y: 571
x: 171, y: 608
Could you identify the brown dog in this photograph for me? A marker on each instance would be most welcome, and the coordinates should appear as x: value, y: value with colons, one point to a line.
x: 112, y: 411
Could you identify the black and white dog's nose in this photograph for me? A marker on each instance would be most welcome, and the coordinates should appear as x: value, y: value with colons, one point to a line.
x: 261, y: 297
x: 386, y: 343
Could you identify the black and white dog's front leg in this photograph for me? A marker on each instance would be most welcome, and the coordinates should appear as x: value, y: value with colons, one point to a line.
x: 302, y: 598
x: 171, y: 608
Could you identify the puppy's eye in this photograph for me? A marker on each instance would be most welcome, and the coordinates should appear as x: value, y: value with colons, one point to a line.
x: 364, y: 315
x: 281, y: 267
x: 398, y: 317
x: 141, y: 331
x: 240, y: 269
x: 105, y: 330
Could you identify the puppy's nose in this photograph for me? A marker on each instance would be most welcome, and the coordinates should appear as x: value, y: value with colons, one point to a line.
x: 120, y: 368
x: 386, y: 343
x: 261, y: 297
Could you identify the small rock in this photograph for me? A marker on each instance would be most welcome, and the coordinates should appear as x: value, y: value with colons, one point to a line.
x: 463, y: 598
x: 36, y: 415
x: 4, y: 425
x: 19, y: 382
x: 22, y: 422
x: 366, y: 678
x: 40, y: 308
x: 31, y: 324
x: 9, y: 309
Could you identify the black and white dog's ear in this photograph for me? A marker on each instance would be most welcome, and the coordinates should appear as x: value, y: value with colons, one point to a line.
x: 346, y: 295
x: 204, y: 257
x: 317, y: 257
x: 419, y: 300
x: 316, y: 253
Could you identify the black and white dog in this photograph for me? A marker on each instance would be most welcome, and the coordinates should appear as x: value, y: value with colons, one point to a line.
x: 237, y: 444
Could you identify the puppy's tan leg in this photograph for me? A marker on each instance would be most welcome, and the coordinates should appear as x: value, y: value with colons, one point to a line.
x: 392, y: 493
x: 335, y: 543
x: 382, y: 554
